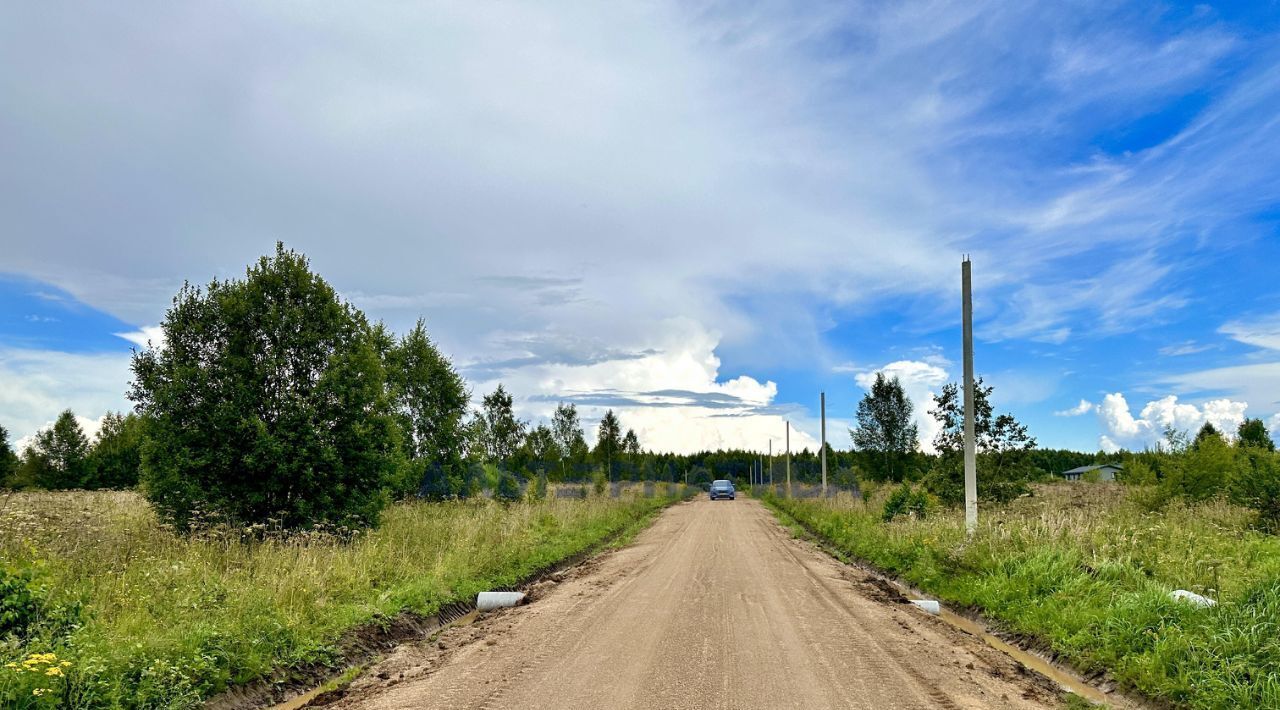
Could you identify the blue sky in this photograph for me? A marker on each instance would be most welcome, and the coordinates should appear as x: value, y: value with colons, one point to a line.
x: 700, y: 213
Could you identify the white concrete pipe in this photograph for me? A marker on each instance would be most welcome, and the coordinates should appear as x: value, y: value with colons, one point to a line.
x: 1183, y: 595
x: 928, y: 605
x: 488, y: 601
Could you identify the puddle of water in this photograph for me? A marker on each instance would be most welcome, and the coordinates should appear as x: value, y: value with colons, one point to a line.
x: 1066, y: 680
x: 300, y: 701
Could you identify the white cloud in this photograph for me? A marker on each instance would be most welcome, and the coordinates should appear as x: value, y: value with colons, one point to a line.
x: 1258, y: 383
x: 1123, y: 430
x: 1262, y: 332
x: 920, y: 381
x: 1189, y: 347
x: 145, y: 337
x: 36, y: 385
x: 1084, y: 407
x: 665, y: 385
x: 91, y: 427
x: 580, y: 168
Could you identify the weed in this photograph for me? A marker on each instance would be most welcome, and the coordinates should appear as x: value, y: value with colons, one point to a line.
x: 1087, y: 570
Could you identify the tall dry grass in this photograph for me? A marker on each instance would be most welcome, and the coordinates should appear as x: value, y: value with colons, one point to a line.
x: 1085, y: 570
x: 167, y: 619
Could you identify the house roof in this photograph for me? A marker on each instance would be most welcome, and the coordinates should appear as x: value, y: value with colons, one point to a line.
x: 1086, y: 469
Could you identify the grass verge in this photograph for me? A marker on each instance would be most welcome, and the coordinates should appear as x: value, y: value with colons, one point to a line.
x: 114, y: 610
x: 1085, y: 572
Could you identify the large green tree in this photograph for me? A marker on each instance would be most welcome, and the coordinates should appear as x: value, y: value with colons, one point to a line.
x: 267, y: 401
x: 1253, y: 433
x: 1208, y: 431
x: 429, y: 398
x: 567, y: 429
x: 608, y: 442
x: 541, y: 449
x: 1003, y: 446
x: 116, y: 456
x: 885, y: 428
x: 497, y: 429
x: 59, y: 456
x: 632, y: 452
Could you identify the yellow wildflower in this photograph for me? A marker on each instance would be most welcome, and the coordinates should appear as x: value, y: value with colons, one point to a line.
x: 53, y: 671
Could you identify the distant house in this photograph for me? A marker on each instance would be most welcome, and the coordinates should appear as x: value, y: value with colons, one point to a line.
x: 1106, y: 472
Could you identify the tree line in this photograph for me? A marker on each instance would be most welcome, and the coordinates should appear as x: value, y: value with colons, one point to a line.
x: 272, y: 399
x: 1244, y: 469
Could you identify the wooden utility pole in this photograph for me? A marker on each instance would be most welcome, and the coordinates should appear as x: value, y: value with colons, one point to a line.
x: 771, y: 462
x: 822, y: 405
x: 970, y: 464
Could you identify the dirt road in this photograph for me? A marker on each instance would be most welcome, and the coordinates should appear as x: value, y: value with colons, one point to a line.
x: 714, y: 606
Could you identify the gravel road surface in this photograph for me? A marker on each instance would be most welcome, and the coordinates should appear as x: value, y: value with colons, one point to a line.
x: 714, y: 606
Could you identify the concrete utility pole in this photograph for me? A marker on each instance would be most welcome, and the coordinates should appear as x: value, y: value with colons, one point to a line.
x: 970, y: 465
x: 771, y: 462
x: 788, y: 458
x: 822, y: 405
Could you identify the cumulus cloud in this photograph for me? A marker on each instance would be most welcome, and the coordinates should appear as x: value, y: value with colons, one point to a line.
x: 670, y: 391
x: 1122, y: 430
x: 1084, y: 407
x: 920, y: 381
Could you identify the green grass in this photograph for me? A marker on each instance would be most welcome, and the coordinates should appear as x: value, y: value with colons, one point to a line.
x: 138, y: 616
x: 1085, y: 572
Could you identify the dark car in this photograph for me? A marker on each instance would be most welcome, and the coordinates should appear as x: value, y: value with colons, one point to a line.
x: 721, y: 489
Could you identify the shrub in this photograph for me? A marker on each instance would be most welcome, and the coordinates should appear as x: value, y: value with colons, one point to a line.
x: 435, y: 481
x: 268, y: 401
x: 1138, y: 473
x: 539, y: 488
x: 905, y: 501
x: 508, y: 487
x: 1203, y: 471
x: 599, y: 482
x: 1256, y: 484
x: 19, y: 605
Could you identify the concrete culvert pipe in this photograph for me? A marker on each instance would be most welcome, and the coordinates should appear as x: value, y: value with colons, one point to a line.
x: 928, y: 605
x: 1183, y: 595
x: 488, y: 601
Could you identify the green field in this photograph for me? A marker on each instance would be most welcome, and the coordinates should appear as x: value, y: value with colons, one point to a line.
x: 1083, y: 571
x: 122, y: 612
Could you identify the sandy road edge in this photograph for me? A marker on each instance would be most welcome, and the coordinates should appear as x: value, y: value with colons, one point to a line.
x: 363, y: 645
x: 1102, y: 682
